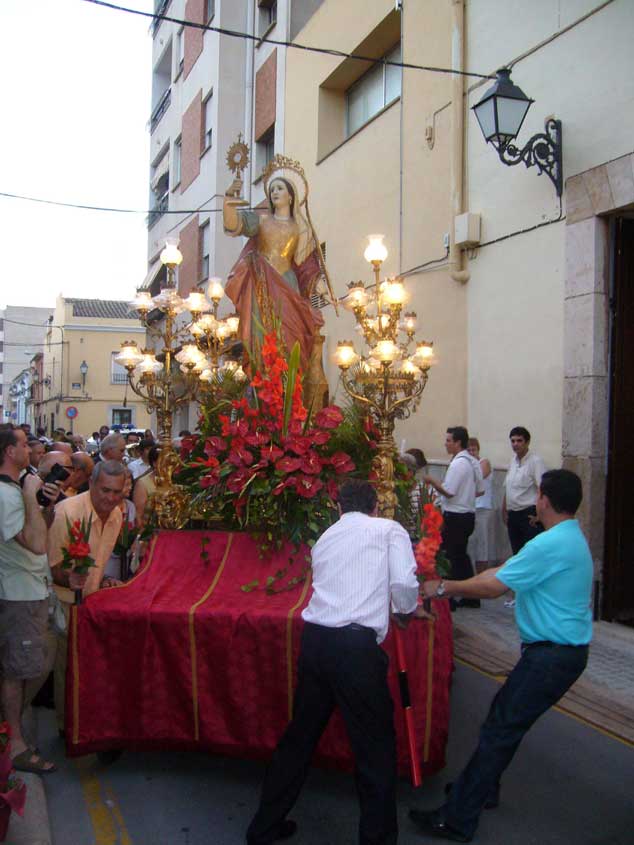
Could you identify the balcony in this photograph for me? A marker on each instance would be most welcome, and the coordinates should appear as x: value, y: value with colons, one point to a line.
x: 159, y: 210
x: 160, y: 109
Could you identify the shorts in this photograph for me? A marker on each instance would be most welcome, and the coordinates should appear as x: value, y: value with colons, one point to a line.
x: 23, y: 627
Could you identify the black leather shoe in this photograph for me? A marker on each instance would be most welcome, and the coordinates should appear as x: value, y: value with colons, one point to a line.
x: 432, y: 823
x: 287, y: 829
x: 493, y: 799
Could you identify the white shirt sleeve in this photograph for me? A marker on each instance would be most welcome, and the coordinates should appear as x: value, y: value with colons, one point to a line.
x: 402, y: 564
x: 12, y: 512
x: 539, y: 468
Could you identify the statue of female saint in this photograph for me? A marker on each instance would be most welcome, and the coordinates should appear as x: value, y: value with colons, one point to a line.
x: 281, y: 265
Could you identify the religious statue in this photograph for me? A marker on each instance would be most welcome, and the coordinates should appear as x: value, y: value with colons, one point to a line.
x: 280, y: 267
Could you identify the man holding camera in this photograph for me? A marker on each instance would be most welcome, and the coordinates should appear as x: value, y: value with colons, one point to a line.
x: 24, y: 580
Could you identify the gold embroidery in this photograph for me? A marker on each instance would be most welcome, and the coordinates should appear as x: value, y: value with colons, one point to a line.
x: 430, y: 689
x: 289, y: 643
x: 192, y: 635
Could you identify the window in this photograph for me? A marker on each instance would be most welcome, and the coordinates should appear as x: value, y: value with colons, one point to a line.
x: 265, y: 149
x: 178, y: 149
x: 118, y: 374
x: 180, y: 52
x: 121, y: 416
x: 375, y: 90
x: 267, y: 15
x: 210, y: 9
x: 205, y: 231
x: 207, y: 122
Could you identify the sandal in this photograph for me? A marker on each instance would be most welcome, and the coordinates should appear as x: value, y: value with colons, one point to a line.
x: 29, y: 761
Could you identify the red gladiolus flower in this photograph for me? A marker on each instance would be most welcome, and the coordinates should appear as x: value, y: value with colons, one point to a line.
x: 308, y: 486
x: 329, y: 417
x: 288, y: 464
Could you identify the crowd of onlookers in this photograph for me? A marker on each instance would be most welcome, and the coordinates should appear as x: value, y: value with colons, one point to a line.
x: 49, y: 488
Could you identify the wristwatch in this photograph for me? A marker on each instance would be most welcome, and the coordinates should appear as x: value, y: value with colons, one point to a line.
x: 440, y: 590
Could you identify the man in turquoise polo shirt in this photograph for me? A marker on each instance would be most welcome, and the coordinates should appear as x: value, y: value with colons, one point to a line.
x: 552, y: 578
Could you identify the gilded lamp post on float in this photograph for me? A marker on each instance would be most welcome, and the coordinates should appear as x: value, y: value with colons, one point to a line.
x: 186, y: 356
x: 389, y: 378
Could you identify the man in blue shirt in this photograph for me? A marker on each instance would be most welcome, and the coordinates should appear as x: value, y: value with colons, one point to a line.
x: 552, y: 578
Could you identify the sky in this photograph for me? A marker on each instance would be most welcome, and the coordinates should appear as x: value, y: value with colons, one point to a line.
x: 75, y: 108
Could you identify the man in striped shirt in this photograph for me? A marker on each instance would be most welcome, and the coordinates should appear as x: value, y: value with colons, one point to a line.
x: 360, y: 565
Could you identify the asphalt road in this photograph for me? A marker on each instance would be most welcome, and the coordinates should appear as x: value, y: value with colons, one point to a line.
x: 568, y: 784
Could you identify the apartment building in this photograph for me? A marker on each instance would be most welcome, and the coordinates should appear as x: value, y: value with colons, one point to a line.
x: 76, y: 369
x: 22, y: 335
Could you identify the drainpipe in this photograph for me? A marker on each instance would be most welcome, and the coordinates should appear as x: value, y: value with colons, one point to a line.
x: 456, y: 258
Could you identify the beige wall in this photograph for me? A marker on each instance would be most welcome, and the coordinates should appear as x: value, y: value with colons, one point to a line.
x: 579, y: 67
x: 357, y: 189
x: 91, y: 340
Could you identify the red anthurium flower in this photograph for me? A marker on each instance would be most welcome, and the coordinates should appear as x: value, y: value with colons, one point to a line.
x: 298, y: 445
x: 210, y: 479
x: 210, y: 462
x: 213, y: 445
x: 258, y: 438
x: 187, y: 444
x: 295, y: 427
x: 318, y: 437
x: 272, y: 452
x: 341, y: 462
x: 288, y: 464
x: 332, y: 489
x: 311, y: 463
x: 329, y: 417
x: 308, y: 486
x: 239, y: 455
x: 237, y: 481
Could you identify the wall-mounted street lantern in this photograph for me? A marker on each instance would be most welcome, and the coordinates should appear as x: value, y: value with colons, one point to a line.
x: 501, y: 113
x: 83, y: 369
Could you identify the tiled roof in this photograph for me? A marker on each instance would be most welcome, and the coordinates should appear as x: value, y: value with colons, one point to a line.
x: 103, y: 308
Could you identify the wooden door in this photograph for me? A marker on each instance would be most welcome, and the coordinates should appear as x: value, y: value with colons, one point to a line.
x: 618, y: 596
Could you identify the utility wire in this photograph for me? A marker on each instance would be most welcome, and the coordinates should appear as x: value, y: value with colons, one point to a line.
x: 107, y: 208
x: 231, y: 33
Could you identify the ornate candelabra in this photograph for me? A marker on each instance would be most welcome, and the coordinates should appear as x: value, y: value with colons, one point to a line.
x: 389, y: 380
x: 196, y: 345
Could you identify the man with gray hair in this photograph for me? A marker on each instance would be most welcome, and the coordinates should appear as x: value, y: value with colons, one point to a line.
x: 111, y: 448
x: 100, y: 506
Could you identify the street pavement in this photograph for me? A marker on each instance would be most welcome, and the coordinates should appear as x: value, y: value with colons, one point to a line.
x: 569, y: 783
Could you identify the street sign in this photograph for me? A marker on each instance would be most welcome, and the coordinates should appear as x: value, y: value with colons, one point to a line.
x: 72, y: 412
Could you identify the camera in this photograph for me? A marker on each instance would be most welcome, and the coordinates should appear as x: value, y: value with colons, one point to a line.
x: 57, y: 473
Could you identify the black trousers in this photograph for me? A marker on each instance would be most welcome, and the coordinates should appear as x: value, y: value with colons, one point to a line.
x: 519, y: 528
x: 456, y: 530
x: 345, y: 668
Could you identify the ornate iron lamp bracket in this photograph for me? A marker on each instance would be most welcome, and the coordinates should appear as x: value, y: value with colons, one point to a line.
x: 543, y: 150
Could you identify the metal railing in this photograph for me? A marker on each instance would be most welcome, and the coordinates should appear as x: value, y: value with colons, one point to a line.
x: 159, y: 210
x: 160, y: 109
x: 160, y: 7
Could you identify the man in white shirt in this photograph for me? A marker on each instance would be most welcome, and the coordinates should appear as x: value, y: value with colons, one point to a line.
x: 461, y: 485
x: 359, y: 565
x: 521, y: 487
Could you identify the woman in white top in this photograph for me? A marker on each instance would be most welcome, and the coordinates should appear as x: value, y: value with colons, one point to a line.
x: 480, y: 544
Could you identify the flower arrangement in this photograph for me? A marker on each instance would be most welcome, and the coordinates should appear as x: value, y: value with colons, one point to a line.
x: 76, y: 554
x: 265, y: 465
x: 431, y: 562
x: 12, y: 789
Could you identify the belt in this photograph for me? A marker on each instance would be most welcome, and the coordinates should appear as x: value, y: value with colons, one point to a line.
x: 549, y: 644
